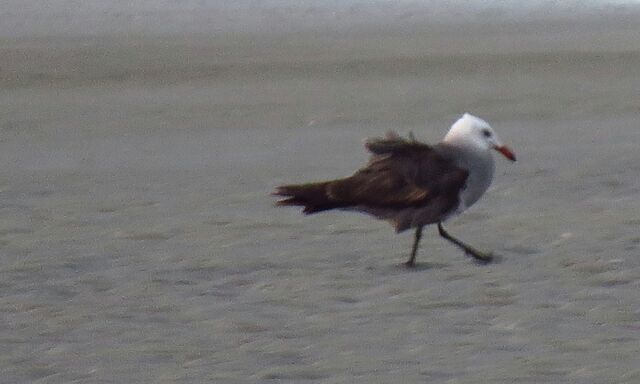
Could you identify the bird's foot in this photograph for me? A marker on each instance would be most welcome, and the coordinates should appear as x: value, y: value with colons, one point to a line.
x: 481, y: 257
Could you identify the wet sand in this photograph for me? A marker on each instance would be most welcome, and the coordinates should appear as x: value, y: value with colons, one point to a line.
x: 139, y: 242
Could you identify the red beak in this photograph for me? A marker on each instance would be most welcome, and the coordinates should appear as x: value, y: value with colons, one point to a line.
x: 506, y: 152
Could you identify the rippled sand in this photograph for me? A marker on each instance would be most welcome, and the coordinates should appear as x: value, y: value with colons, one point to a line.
x: 139, y: 242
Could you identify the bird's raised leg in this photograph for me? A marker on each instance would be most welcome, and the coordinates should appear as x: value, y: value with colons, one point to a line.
x: 469, y: 250
x: 412, y: 260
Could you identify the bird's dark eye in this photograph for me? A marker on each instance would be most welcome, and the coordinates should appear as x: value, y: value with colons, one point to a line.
x: 486, y: 133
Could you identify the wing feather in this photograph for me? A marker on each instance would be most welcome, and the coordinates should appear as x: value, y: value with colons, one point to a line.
x: 401, y: 174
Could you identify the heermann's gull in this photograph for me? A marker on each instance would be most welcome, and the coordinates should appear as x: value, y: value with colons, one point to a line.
x: 412, y: 184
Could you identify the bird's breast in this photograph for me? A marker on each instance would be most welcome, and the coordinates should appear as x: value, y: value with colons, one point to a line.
x: 481, y: 168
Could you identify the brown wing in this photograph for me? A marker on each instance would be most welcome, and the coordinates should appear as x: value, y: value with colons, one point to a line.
x: 401, y: 174
x: 406, y: 182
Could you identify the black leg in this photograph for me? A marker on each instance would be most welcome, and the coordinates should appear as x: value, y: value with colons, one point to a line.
x: 469, y: 250
x: 412, y: 260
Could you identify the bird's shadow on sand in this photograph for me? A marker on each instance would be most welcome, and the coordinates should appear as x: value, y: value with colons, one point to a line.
x: 495, y: 259
x: 432, y: 265
x: 422, y: 266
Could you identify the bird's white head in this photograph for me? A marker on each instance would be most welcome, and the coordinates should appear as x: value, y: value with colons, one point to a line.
x: 472, y: 131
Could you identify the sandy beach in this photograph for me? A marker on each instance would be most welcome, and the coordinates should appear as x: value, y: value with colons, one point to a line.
x: 139, y: 242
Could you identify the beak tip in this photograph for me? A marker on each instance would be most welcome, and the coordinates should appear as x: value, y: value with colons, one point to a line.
x: 506, y: 152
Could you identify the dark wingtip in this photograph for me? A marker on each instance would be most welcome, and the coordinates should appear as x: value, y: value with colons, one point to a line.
x: 281, y: 191
x: 311, y: 197
x: 285, y: 202
x: 292, y: 202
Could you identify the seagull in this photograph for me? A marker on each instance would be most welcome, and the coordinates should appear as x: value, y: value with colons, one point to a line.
x: 412, y: 184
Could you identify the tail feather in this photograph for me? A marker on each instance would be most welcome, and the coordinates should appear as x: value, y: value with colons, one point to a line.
x: 314, y: 197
